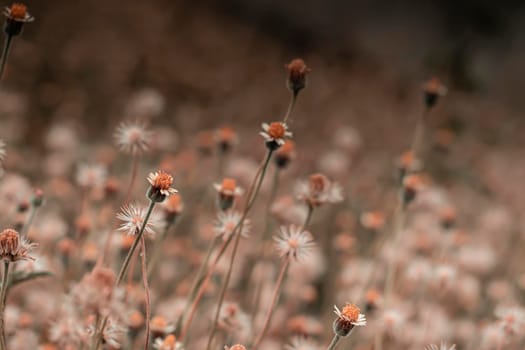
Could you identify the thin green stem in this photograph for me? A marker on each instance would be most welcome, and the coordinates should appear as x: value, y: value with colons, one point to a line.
x: 334, y: 342
x: 3, y: 297
x: 236, y: 245
x: 157, y: 249
x: 308, y: 216
x: 29, y: 222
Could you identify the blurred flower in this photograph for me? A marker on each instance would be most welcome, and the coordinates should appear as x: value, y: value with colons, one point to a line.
x: 168, y: 343
x: 285, y: 154
x: 235, y: 347
x: 132, y: 138
x: 512, y: 320
x: 146, y: 103
x: 318, y: 190
x: 443, y: 346
x: 173, y: 207
x: 432, y: 90
x: 226, y: 138
x: 2, y: 151
x: 300, y: 343
x: 91, y: 176
x: 16, y: 15
x: 160, y: 327
x: 228, y: 190
x: 227, y: 222
x: 294, y: 242
x: 373, y: 220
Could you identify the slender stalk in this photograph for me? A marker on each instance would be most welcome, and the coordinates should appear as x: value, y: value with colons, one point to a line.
x: 29, y: 222
x: 3, y: 297
x: 291, y: 105
x: 236, y: 245
x: 157, y: 249
x: 5, y: 54
x: 334, y: 342
x: 98, y: 334
x: 308, y: 216
x: 273, y: 303
x: 146, y: 289
x: 199, y: 278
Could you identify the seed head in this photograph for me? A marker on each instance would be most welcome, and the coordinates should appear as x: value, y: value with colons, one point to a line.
x: 294, y: 242
x: 14, y: 248
x: 297, y: 71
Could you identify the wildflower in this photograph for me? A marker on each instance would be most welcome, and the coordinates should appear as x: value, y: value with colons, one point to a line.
x: 297, y: 71
x: 294, y: 242
x: 228, y: 190
x: 234, y: 321
x: 228, y: 221
x: 347, y: 318
x: 432, y: 90
x: 408, y: 163
x: 160, y: 186
x: 94, y: 292
x: 38, y: 198
x: 285, y: 154
x: 160, y: 327
x: 443, y: 346
x: 132, y: 138
x: 447, y: 216
x: 373, y: 220
x: 173, y: 207
x: 168, y: 343
x: 235, y: 347
x: 226, y: 138
x: 411, y: 185
x: 91, y: 176
x: 16, y: 16
x: 512, y: 320
x: 275, y: 134
x: 14, y: 248
x: 133, y: 217
x: 372, y: 297
x: 319, y: 190
x: 205, y: 142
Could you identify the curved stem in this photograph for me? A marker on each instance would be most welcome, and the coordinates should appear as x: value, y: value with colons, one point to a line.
x: 236, y: 245
x: 3, y: 297
x: 146, y: 289
x: 273, y: 303
x: 291, y: 105
x: 29, y: 222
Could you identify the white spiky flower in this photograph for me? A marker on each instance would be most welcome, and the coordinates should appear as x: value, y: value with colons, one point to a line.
x: 91, y: 176
x: 318, y: 190
x: 228, y: 221
x: 512, y: 319
x: 132, y: 217
x: 133, y: 138
x: 161, y: 181
x: 351, y: 314
x: 442, y: 346
x: 294, y: 242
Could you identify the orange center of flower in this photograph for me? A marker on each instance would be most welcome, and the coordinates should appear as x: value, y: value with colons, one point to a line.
x: 318, y: 182
x: 287, y: 148
x: 297, y: 68
x: 159, y: 322
x: 18, y: 11
x: 433, y: 86
x: 173, y: 202
x: 413, y: 182
x: 134, y: 135
x: 372, y: 295
x: 293, y: 243
x: 238, y: 347
x: 9, y: 241
x: 228, y: 185
x: 226, y: 134
x: 170, y: 340
x: 276, y: 130
x: 351, y: 312
x: 163, y: 181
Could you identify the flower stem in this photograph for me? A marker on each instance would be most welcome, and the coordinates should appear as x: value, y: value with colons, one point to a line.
x: 146, y: 289
x: 29, y: 222
x: 5, y: 54
x: 273, y: 303
x: 334, y: 342
x: 3, y: 297
x: 251, y: 200
x: 291, y: 105
x: 98, y: 334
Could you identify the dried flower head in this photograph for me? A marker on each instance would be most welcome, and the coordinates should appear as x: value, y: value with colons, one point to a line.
x: 347, y: 318
x: 275, y: 134
x: 160, y: 186
x: 285, y: 154
x: 228, y: 190
x: 132, y: 217
x: 319, y: 190
x: 235, y: 347
x: 228, y: 221
x: 16, y: 15
x: 168, y: 343
x: 432, y: 90
x: 13, y: 247
x: 512, y: 320
x: 294, y: 242
x: 133, y: 138
x: 442, y: 346
x: 297, y: 71
x: 173, y: 207
x: 226, y: 138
